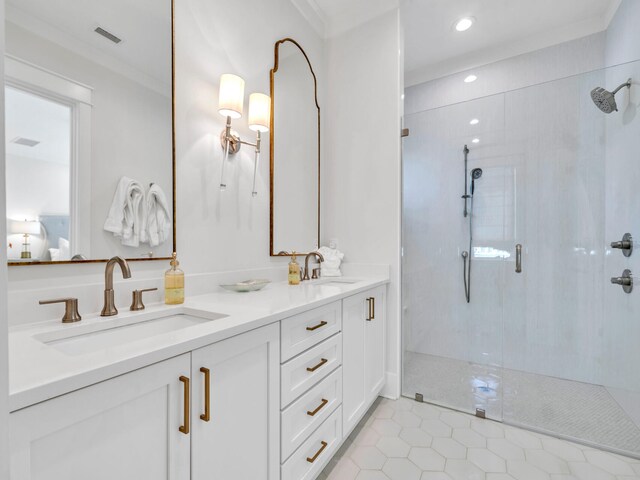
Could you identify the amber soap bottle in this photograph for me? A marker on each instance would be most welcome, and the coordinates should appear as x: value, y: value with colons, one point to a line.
x: 174, y: 283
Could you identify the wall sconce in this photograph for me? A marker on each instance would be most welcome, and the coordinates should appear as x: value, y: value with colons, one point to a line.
x: 25, y: 228
x: 231, y: 100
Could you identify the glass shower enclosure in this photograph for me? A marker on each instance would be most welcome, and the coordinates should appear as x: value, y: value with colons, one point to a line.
x: 555, y: 346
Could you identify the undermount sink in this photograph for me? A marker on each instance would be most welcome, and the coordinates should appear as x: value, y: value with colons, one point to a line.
x: 106, y: 334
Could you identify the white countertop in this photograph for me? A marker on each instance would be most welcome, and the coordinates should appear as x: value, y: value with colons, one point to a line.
x: 38, y: 371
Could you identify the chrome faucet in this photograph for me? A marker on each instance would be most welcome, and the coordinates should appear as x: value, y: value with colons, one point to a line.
x: 315, y: 270
x: 109, y: 309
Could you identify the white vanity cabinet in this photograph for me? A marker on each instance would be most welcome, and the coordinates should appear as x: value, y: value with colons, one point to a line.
x: 363, y: 369
x: 272, y: 403
x: 125, y: 428
x: 236, y: 434
x: 138, y: 426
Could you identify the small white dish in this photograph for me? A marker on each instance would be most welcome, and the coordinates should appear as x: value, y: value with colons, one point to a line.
x: 247, y: 285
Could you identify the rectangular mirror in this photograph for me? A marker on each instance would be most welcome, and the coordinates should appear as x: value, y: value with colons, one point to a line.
x: 89, y: 130
x: 295, y: 152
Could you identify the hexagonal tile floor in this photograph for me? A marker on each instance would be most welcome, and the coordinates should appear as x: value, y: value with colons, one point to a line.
x: 407, y: 440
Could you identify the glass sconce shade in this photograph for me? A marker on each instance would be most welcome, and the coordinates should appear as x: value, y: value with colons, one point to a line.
x: 231, y: 97
x: 259, y: 112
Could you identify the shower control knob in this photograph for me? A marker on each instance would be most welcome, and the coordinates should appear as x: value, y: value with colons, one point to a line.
x: 626, y: 245
x: 625, y: 281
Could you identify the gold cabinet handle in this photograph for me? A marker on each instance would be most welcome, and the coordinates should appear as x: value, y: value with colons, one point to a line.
x: 187, y: 406
x: 322, y: 362
x: 321, y: 324
x: 207, y: 395
x: 313, y: 459
x: 372, y: 312
x: 318, y: 408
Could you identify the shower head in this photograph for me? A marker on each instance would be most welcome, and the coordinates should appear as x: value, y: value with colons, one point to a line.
x: 605, y: 100
x: 476, y: 173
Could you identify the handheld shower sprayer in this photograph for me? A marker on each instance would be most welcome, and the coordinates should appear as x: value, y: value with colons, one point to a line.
x: 476, y: 173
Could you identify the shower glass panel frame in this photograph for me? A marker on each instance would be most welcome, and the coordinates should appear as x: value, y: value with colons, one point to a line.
x: 554, y: 348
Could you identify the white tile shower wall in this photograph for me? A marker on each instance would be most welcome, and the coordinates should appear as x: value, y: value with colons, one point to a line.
x: 623, y: 35
x: 553, y: 311
x: 362, y: 159
x: 622, y: 181
x: 552, y: 63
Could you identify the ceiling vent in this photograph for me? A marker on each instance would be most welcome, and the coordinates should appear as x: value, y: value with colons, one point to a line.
x: 108, y: 35
x: 27, y: 142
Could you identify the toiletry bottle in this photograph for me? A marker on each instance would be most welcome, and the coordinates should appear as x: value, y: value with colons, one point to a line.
x: 294, y: 271
x: 174, y: 283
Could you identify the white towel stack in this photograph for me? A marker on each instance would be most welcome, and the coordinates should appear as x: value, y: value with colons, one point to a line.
x: 136, y: 217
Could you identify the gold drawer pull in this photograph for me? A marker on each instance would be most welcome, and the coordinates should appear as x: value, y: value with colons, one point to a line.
x: 318, y: 408
x: 322, y: 362
x: 321, y: 324
x: 372, y: 308
x: 313, y: 459
x: 207, y: 394
x: 187, y: 405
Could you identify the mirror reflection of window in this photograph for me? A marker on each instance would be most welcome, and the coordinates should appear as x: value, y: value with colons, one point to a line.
x: 38, y: 165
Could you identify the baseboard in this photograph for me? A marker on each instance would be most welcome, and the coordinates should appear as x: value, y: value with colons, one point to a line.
x: 391, y: 389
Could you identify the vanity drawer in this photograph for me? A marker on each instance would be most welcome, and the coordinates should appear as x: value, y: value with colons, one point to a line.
x: 305, y: 414
x: 307, y: 462
x: 301, y: 373
x: 303, y: 331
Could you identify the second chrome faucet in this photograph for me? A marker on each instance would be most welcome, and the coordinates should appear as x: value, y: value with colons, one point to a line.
x: 109, y: 309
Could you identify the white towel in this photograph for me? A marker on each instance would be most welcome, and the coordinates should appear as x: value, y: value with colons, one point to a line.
x: 158, y: 225
x: 127, y: 213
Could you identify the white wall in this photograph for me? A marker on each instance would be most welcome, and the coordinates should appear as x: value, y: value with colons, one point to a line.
x: 4, y: 349
x: 227, y: 230
x: 217, y: 231
x: 362, y: 162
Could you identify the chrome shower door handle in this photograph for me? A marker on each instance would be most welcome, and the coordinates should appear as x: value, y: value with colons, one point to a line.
x: 519, y: 258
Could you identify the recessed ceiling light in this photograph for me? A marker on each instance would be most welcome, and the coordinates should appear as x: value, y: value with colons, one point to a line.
x: 464, y: 24
x: 470, y: 78
x: 475, y: 140
x: 474, y: 121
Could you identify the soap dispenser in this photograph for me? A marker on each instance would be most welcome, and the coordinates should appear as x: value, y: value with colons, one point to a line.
x: 174, y: 283
x: 294, y: 270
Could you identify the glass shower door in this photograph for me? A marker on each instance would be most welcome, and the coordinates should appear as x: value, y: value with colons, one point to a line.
x: 571, y: 337
x: 452, y: 350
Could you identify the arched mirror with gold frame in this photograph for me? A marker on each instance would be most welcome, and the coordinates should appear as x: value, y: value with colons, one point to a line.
x: 295, y: 152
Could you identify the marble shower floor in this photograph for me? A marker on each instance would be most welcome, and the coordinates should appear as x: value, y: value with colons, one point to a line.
x: 407, y: 440
x: 580, y: 411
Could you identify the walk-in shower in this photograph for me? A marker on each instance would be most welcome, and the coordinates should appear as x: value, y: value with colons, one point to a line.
x: 546, y: 342
x: 476, y: 173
